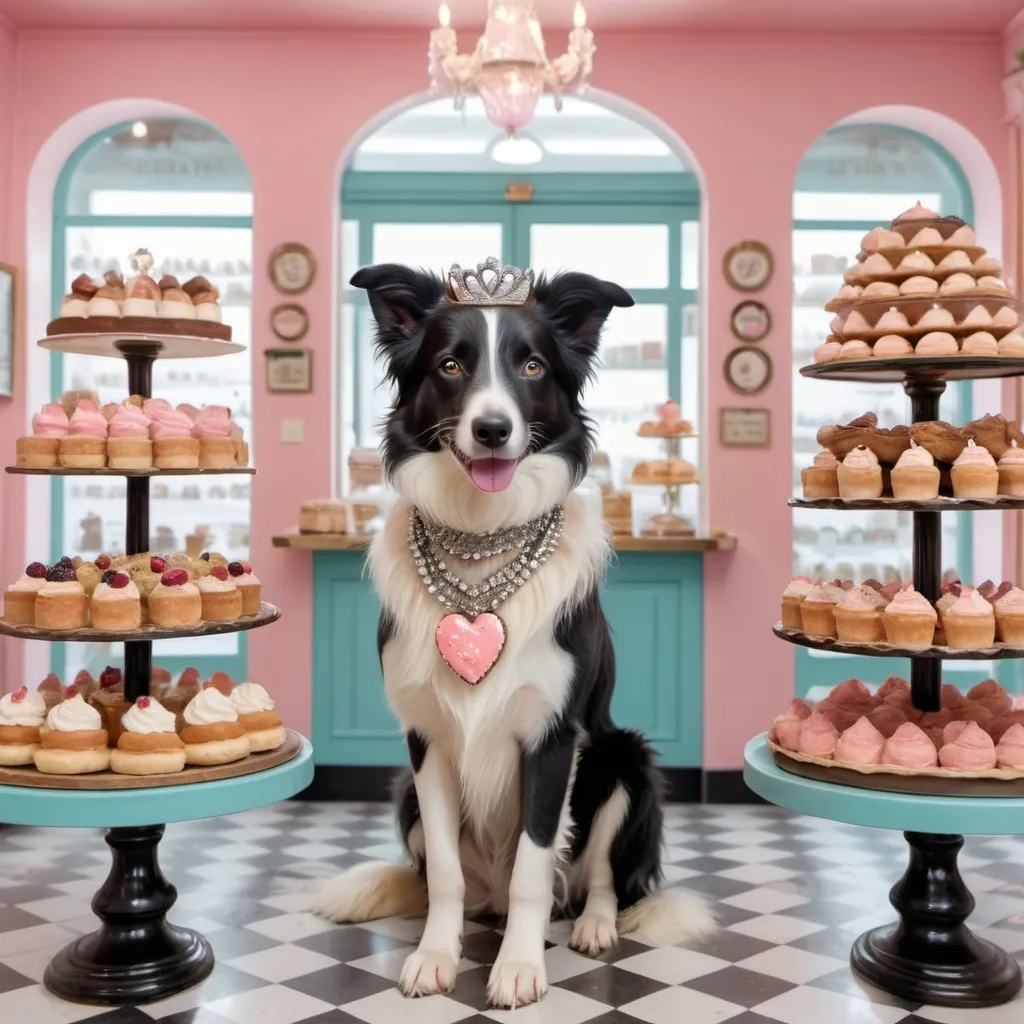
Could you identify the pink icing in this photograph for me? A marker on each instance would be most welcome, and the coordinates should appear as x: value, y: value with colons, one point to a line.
x: 902, y: 702
x: 236, y: 432
x: 861, y: 457
x: 974, y: 455
x: 862, y: 599
x: 190, y: 410
x: 850, y: 692
x: 167, y: 423
x: 915, y: 455
x: 951, y: 731
x: 907, y: 601
x: 973, y: 711
x: 88, y: 420
x: 971, y: 750
x: 952, y: 698
x: 129, y: 421
x: 1010, y: 752
x: 841, y: 717
x: 818, y: 736
x: 887, y: 719
x: 890, y: 590
x: 910, y: 747
x: 1012, y: 454
x: 970, y: 602
x: 787, y: 729
x: 51, y: 422
x: 894, y: 684
x: 1011, y: 602
x: 799, y: 709
x: 151, y: 405
x: 991, y: 695
x: 825, y: 459
x: 861, y: 744
x: 214, y: 422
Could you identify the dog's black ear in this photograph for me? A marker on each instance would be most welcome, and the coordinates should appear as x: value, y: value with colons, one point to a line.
x: 578, y: 305
x: 400, y: 298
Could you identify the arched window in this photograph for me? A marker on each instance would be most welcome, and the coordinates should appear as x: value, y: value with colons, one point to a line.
x: 605, y: 196
x: 180, y: 189
x: 853, y: 178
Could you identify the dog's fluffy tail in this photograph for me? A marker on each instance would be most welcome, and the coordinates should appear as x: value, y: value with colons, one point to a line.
x: 667, y: 917
x: 370, y: 891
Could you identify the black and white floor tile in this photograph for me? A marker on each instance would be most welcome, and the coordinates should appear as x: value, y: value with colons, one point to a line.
x: 791, y: 894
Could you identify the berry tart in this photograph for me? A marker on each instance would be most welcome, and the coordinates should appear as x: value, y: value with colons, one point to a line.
x: 61, y: 602
x: 248, y: 585
x: 20, y: 596
x: 116, y: 605
x: 174, y: 602
x: 212, y: 732
x: 221, y: 599
x: 21, y: 715
x: 256, y: 712
x: 73, y: 741
x: 149, y: 743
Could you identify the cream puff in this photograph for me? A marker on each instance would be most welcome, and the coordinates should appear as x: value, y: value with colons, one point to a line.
x: 892, y: 346
x: 73, y: 741
x: 860, y: 475
x: 256, y: 712
x: 937, y: 345
x: 915, y: 477
x: 141, y: 293
x: 22, y: 713
x: 175, y: 302
x: 974, y: 473
x: 149, y: 743
x: 212, y: 732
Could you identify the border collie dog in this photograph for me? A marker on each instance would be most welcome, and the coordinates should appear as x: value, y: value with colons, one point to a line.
x: 524, y: 797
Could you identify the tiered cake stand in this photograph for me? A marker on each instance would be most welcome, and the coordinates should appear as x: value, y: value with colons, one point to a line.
x: 669, y: 522
x: 929, y: 955
x: 136, y: 956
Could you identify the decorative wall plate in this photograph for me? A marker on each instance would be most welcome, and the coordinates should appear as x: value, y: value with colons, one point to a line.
x: 291, y: 267
x: 289, y: 321
x: 750, y: 321
x: 748, y: 370
x: 748, y: 266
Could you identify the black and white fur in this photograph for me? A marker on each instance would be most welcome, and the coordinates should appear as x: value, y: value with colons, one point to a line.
x: 524, y: 797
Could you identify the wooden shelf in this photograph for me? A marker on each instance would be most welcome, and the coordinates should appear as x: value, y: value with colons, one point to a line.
x: 60, y: 471
x: 358, y: 542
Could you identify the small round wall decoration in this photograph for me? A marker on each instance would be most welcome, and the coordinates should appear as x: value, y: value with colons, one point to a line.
x: 289, y: 321
x: 292, y: 268
x: 748, y: 370
x: 750, y: 321
x: 748, y: 266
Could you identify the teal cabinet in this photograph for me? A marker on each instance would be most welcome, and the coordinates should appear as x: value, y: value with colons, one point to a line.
x: 654, y: 603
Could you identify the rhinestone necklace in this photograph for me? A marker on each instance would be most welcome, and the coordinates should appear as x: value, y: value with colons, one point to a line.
x: 535, y: 541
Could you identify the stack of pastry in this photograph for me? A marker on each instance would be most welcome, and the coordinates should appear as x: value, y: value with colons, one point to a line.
x: 670, y: 422
x: 325, y: 515
x: 921, y: 287
x: 983, y: 459
x: 618, y: 511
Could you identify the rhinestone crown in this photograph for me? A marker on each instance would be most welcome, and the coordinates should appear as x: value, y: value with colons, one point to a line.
x: 491, y: 284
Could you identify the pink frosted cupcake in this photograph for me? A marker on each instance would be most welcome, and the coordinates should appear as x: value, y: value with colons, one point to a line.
x: 861, y: 744
x: 213, y: 430
x: 910, y: 747
x: 821, y: 478
x: 1009, y: 611
x: 908, y: 619
x: 174, y: 447
x: 129, y: 446
x: 818, y: 736
x: 817, y: 612
x: 40, y: 450
x: 860, y: 475
x: 859, y: 616
x: 1010, y: 751
x: 974, y: 473
x: 792, y: 597
x: 85, y: 446
x: 970, y: 621
x: 967, y: 750
x: 915, y: 477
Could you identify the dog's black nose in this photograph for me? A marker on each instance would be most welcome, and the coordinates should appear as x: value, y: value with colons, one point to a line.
x: 492, y: 431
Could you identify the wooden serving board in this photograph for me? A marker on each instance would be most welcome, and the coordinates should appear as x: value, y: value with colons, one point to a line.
x: 28, y: 776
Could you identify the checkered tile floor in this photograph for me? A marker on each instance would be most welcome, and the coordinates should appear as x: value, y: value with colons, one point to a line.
x: 791, y: 893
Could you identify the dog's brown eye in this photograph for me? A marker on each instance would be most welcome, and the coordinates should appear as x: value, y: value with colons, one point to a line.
x: 450, y: 368
x: 532, y: 369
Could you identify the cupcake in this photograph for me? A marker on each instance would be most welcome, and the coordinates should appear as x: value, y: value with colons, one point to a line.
x: 1009, y: 612
x: 128, y: 443
x: 818, y: 736
x: 861, y: 744
x: 1010, y: 751
x: 40, y: 450
x: 109, y: 701
x: 970, y: 621
x: 915, y: 477
x: 175, y: 303
x: 213, y: 430
x: 21, y: 715
x: 970, y: 750
x: 20, y: 596
x: 792, y: 598
x: 74, y: 741
x: 858, y: 616
x: 817, y: 613
x: 141, y: 293
x: 1011, y: 471
x: 61, y: 602
x: 212, y: 732
x: 910, y: 747
x: 860, y: 475
x: 174, y: 447
x: 149, y: 743
x: 909, y: 620
x: 85, y: 446
x: 116, y: 606
x: 821, y: 479
x: 256, y: 712
x: 221, y: 600
x: 251, y: 589
x: 175, y: 602
x: 974, y: 473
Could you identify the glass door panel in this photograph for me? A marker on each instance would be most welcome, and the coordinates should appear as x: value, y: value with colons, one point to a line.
x: 631, y: 255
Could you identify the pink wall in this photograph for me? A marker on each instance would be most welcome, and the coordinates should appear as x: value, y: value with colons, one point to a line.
x: 747, y: 108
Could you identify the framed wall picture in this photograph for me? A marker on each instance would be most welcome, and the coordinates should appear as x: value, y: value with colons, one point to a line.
x: 289, y: 321
x: 292, y: 268
x: 8, y: 327
x: 748, y: 369
x: 750, y: 321
x: 746, y: 428
x: 289, y: 370
x: 748, y: 266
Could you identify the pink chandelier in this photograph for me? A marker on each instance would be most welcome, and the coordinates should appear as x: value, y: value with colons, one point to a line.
x: 509, y: 68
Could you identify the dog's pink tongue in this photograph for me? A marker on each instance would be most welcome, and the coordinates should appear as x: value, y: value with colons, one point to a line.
x: 492, y: 474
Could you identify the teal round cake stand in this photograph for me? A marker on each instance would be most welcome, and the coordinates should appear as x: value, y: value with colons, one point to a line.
x: 929, y: 955
x: 136, y: 956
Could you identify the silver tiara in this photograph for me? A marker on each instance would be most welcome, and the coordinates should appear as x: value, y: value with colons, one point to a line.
x: 491, y: 284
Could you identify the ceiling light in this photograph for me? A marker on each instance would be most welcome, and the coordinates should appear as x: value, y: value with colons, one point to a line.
x: 607, y: 147
x: 517, y: 150
x: 140, y: 130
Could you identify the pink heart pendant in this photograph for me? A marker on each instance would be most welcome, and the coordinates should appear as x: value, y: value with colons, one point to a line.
x: 470, y: 649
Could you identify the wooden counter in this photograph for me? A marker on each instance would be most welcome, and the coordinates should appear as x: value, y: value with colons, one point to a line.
x: 357, y: 542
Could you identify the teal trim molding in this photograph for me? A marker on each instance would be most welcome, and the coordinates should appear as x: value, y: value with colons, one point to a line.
x: 654, y: 604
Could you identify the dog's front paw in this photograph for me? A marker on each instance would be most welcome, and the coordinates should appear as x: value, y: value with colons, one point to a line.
x: 593, y: 934
x: 428, y: 972
x: 516, y: 982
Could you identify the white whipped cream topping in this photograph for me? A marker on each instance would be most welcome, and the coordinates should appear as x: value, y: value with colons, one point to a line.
x: 31, y: 711
x: 210, y: 707
x: 74, y: 715
x: 251, y: 698
x: 27, y: 583
x: 155, y: 718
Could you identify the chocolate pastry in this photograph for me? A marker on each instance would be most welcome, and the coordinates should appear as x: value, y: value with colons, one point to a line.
x: 943, y: 440
x: 993, y: 433
x: 887, y: 444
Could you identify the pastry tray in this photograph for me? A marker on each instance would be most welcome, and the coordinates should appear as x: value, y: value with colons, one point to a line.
x: 1006, y: 782
x: 122, y: 344
x: 28, y: 776
x: 61, y: 471
x: 875, y: 370
x: 939, y: 504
